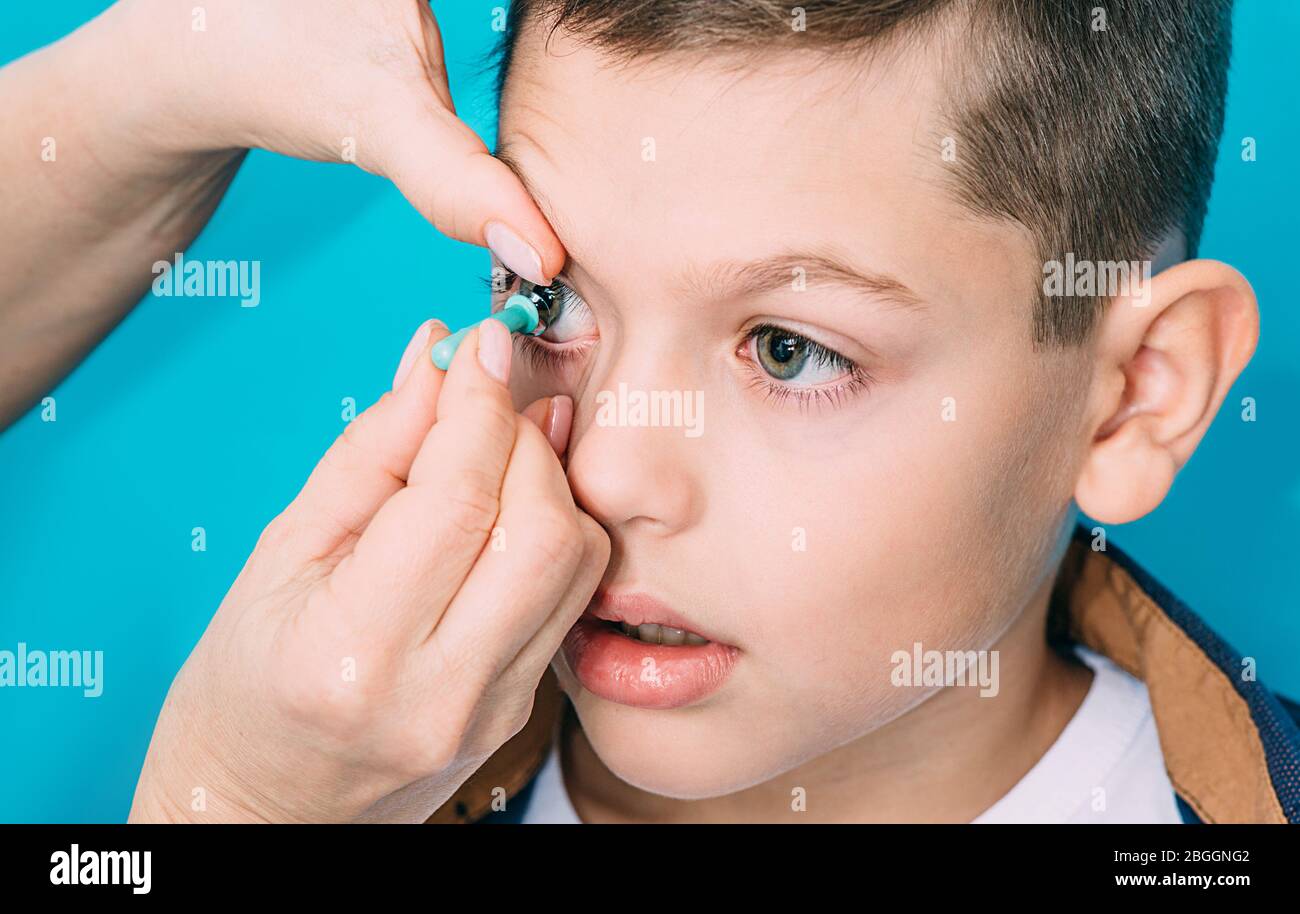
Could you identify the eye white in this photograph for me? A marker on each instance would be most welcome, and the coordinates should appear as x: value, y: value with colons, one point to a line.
x: 816, y: 370
x: 575, y: 319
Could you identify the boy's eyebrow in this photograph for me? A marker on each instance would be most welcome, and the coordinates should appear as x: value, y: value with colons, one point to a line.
x: 795, y: 270
x: 732, y: 279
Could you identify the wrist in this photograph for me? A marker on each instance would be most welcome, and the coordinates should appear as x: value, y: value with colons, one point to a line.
x: 204, y: 765
x: 175, y: 803
x: 176, y: 786
x: 135, y: 77
x: 127, y: 157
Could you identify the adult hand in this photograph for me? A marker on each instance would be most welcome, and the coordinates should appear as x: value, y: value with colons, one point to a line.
x: 338, y: 80
x: 391, y: 626
x: 120, y: 139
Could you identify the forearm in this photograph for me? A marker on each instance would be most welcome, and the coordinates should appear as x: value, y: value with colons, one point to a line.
x: 98, y: 181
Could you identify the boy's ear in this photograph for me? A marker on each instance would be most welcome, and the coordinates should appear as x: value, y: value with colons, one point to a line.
x: 1166, y: 356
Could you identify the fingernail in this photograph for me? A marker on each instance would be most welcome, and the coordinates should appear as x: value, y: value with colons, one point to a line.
x: 559, y: 422
x: 517, y: 255
x: 413, y: 350
x: 494, y: 349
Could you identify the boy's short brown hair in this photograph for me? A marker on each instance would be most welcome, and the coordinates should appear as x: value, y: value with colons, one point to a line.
x: 1093, y: 125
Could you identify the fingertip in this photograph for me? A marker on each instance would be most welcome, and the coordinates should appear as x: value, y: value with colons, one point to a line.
x: 559, y: 423
x: 494, y: 350
x: 518, y: 232
x: 416, y: 352
x: 549, y: 249
x: 554, y: 416
x: 519, y: 255
x: 479, y: 370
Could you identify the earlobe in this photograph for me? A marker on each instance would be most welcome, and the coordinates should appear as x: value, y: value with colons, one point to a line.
x: 1165, y: 364
x: 1126, y: 476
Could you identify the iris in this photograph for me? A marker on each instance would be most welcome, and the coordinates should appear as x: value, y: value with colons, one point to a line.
x: 781, y: 353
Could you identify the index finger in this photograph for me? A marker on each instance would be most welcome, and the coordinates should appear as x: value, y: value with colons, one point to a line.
x: 367, y: 464
x: 423, y: 542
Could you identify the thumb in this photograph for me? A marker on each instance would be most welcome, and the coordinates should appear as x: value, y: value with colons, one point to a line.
x: 446, y: 172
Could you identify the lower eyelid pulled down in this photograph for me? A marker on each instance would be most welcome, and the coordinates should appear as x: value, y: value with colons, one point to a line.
x: 543, y: 356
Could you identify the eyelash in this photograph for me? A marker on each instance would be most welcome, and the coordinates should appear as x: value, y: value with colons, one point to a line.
x: 548, y: 356
x: 834, y: 395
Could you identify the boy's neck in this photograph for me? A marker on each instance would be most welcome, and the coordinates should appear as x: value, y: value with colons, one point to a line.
x: 947, y: 760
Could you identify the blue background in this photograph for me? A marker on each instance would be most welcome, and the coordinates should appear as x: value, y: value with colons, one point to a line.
x: 196, y: 412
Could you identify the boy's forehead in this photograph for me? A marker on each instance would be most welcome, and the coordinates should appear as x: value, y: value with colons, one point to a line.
x: 684, y: 153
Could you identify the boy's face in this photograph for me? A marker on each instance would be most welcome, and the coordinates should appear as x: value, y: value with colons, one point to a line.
x: 825, y: 516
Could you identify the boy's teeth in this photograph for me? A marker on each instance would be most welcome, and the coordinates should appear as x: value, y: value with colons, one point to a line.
x: 661, y: 634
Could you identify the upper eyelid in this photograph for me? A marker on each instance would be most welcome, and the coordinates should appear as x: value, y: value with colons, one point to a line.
x: 858, y: 375
x: 490, y: 279
x: 570, y: 296
x: 827, y: 351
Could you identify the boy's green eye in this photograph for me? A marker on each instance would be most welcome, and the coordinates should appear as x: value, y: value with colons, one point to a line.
x: 796, y: 360
x: 781, y: 354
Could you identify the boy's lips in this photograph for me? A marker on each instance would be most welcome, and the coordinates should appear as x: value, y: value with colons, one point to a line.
x: 689, y: 665
x: 642, y: 609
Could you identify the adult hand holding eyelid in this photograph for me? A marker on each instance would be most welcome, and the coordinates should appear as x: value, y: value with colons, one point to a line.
x: 392, y: 624
x: 107, y: 176
x: 363, y: 82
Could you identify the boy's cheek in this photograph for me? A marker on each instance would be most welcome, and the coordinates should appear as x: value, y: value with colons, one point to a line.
x: 530, y: 380
x: 523, y: 388
x: 528, y: 385
x: 876, y: 570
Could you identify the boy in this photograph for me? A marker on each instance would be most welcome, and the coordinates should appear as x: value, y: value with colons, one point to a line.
x: 928, y: 269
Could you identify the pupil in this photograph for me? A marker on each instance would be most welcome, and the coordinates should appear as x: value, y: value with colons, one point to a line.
x: 785, y: 348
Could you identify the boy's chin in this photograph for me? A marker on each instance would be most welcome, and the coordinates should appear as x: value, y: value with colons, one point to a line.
x: 682, y: 756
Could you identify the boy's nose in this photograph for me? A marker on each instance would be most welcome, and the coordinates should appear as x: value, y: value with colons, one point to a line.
x: 626, y: 474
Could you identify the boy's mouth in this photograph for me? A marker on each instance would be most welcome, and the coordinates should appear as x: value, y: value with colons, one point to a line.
x: 634, y: 650
x: 643, y: 618
x: 651, y: 633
